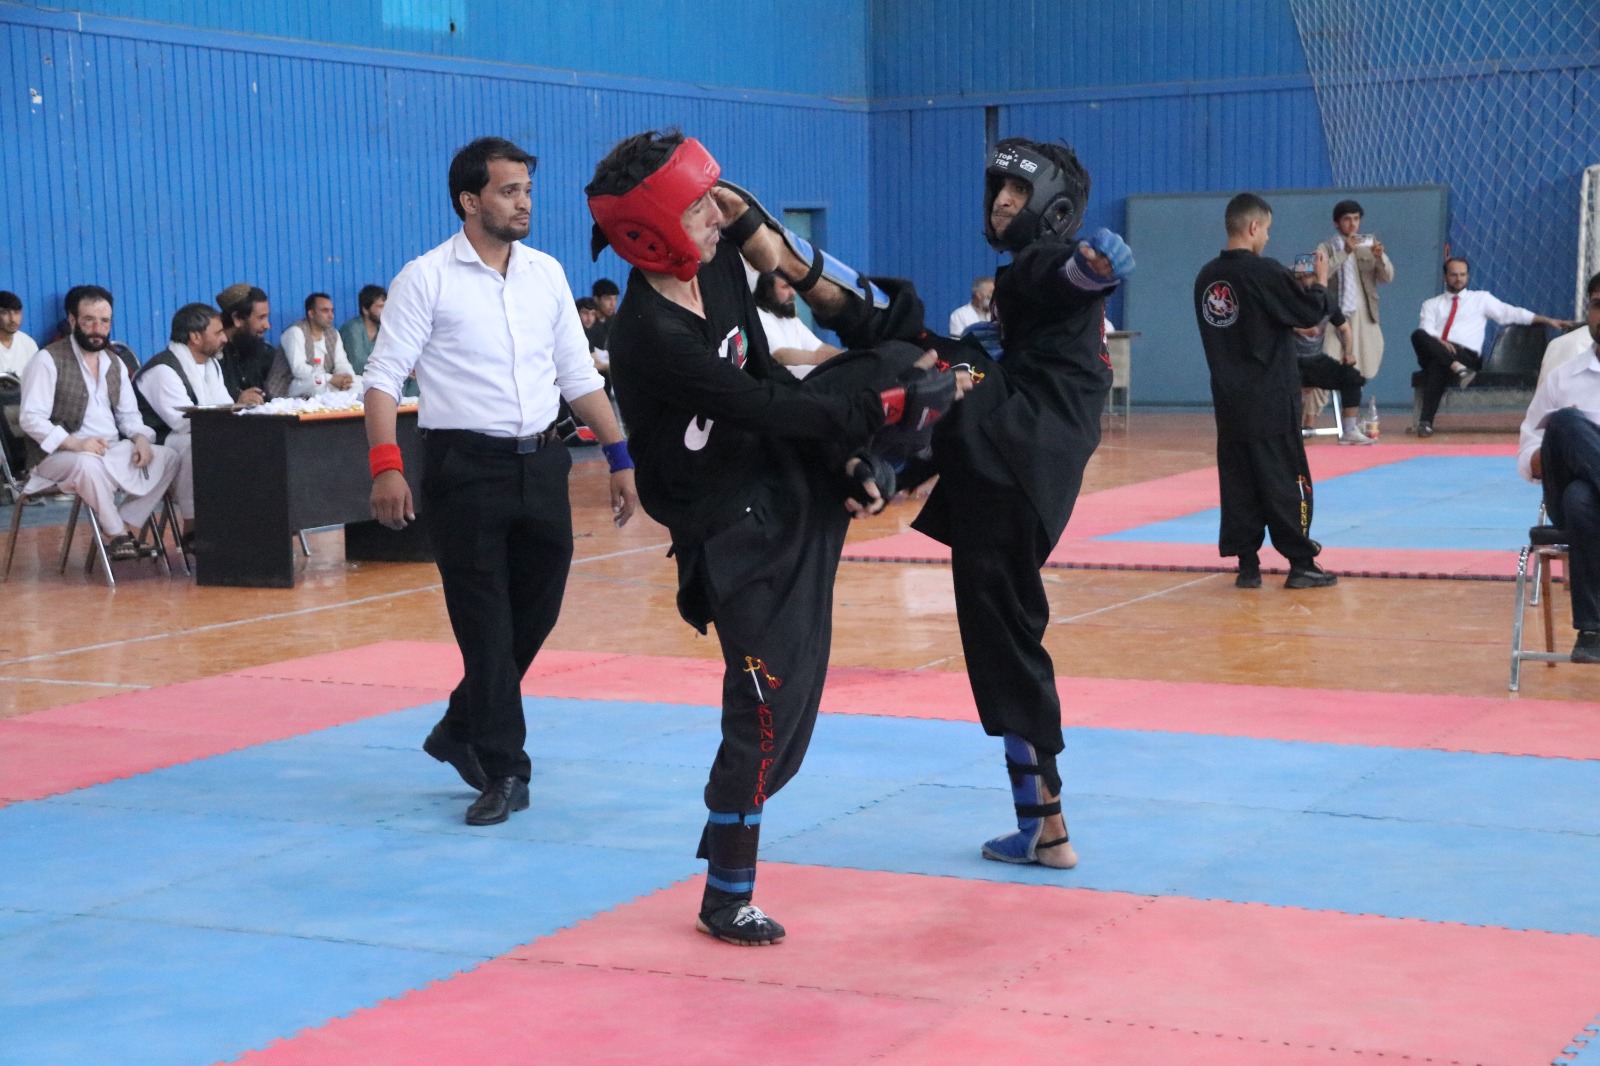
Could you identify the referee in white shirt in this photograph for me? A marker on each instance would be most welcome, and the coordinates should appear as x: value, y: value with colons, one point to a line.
x: 490, y: 329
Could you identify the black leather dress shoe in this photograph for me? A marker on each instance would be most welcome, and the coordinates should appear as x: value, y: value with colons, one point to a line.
x: 504, y: 795
x: 457, y: 753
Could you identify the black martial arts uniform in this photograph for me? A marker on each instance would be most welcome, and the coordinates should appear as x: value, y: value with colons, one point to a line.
x: 1010, y: 459
x: 1247, y: 308
x: 744, y: 466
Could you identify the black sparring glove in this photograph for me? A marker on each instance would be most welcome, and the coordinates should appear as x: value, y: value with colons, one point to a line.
x: 871, y: 470
x: 920, y: 400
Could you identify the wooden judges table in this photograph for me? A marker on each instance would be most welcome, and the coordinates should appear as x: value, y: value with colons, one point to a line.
x: 260, y: 479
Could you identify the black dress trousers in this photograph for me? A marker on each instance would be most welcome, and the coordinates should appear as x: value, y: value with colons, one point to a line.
x: 501, y: 527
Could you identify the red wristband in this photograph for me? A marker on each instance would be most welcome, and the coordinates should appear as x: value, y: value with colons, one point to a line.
x: 383, y: 457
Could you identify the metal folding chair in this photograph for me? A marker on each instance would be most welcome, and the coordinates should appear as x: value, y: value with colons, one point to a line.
x: 1546, y: 545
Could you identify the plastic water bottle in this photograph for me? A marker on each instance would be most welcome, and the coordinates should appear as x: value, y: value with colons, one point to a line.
x: 1369, y: 418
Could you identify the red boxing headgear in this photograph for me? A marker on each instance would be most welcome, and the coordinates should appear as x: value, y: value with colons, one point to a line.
x: 645, y: 224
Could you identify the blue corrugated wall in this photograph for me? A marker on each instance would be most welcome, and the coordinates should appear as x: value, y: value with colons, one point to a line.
x: 817, y: 48
x: 167, y: 163
x: 928, y: 177
x: 169, y: 147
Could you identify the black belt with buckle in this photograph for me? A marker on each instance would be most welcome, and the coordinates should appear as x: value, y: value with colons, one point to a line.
x: 471, y: 440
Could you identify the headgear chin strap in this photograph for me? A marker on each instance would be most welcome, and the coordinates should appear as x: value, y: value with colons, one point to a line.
x: 645, y: 224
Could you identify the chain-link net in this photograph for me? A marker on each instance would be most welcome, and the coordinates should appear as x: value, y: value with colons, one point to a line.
x: 1588, y: 234
x: 1498, y: 99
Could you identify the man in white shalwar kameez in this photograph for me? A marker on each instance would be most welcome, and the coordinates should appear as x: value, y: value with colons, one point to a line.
x: 79, y: 409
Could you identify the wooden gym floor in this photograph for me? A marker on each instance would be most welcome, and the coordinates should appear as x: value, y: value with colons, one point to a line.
x: 66, y: 639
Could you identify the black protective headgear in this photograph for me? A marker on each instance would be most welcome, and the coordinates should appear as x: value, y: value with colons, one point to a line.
x: 1060, y: 191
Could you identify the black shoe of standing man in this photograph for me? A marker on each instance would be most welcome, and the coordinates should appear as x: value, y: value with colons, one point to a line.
x: 1249, y: 575
x: 457, y: 753
x: 1306, y: 574
x: 504, y: 795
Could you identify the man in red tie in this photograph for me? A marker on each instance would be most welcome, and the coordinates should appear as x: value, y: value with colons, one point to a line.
x: 1449, y: 339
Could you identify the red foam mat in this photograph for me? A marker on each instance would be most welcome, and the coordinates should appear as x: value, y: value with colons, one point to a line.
x: 83, y: 744
x: 1074, y: 554
x: 1162, y: 499
x: 518, y: 1012
x: 908, y: 969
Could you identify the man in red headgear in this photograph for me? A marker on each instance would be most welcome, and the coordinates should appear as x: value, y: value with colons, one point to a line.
x: 754, y: 473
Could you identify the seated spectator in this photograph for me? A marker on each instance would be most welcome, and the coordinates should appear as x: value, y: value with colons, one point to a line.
x: 604, y: 293
x: 361, y: 332
x: 1449, y: 339
x: 130, y: 361
x: 1318, y: 370
x: 1560, y: 447
x: 188, y: 373
x: 975, y: 309
x: 252, y: 369
x: 315, y: 351
x: 588, y: 315
x: 79, y: 410
x: 790, y: 342
x: 16, y: 348
x: 1567, y: 346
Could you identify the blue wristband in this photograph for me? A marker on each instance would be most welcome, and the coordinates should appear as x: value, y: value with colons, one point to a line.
x: 617, y: 456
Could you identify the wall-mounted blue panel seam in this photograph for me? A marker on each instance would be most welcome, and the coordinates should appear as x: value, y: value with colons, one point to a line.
x: 165, y: 33
x: 1095, y: 92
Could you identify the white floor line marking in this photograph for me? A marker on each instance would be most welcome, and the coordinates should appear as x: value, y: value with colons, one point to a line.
x: 626, y: 551
x: 60, y: 681
x: 1129, y: 603
x: 937, y: 662
x: 284, y: 614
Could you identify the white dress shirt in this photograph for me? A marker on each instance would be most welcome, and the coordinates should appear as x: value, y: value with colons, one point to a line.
x: 160, y: 387
x: 1575, y: 383
x: 1565, y: 347
x: 1472, y: 317
x: 491, y: 353
x: 99, y: 420
x: 305, y: 372
x: 964, y: 316
x: 14, y: 360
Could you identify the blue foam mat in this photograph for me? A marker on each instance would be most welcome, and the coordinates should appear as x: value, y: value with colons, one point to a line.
x: 99, y: 990
x: 1430, y: 503
x: 344, y: 851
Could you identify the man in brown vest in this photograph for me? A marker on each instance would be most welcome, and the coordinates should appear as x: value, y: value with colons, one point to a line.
x: 79, y: 409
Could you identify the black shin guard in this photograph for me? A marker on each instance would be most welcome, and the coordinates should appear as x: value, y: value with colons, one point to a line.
x: 729, y: 844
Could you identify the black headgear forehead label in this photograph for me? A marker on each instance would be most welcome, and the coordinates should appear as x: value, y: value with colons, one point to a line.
x: 1016, y: 161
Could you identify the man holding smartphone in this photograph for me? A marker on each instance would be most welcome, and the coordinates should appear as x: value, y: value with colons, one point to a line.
x: 1357, y: 265
x: 1247, y: 307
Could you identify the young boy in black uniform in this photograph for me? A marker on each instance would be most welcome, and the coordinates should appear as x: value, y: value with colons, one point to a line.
x: 1011, y: 458
x: 747, y: 467
x: 1248, y: 308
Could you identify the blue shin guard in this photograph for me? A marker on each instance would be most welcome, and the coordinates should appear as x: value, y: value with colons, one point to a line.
x: 1025, y: 847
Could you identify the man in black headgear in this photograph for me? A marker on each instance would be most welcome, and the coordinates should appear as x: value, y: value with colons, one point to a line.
x: 1011, y: 456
